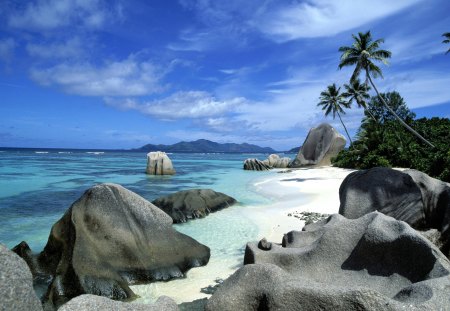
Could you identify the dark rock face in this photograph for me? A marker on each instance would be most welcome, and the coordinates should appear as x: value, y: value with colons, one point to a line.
x: 382, y: 189
x: 109, y: 238
x: 371, y: 263
x: 95, y: 303
x: 16, y: 283
x: 190, y: 204
x: 412, y: 196
x: 255, y: 165
x: 321, y: 144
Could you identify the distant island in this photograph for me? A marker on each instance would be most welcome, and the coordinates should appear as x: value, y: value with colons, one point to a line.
x: 206, y: 146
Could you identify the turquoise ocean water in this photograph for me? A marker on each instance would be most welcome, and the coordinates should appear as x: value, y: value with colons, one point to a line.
x: 38, y: 186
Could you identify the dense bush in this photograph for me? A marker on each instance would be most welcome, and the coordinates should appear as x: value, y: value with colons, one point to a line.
x: 385, y: 142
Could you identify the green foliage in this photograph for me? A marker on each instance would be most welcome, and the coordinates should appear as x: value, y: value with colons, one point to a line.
x: 386, y: 142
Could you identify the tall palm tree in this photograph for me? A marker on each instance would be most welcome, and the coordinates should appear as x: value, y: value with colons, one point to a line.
x: 358, y: 92
x: 332, y: 100
x: 447, y: 40
x: 361, y: 54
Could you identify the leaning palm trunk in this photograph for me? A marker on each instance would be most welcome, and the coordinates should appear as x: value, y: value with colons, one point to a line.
x: 370, y: 113
x: 395, y: 115
x: 351, y: 143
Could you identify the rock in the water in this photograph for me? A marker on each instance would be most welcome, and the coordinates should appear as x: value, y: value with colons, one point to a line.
x: 95, y: 303
x: 371, y: 263
x: 195, y: 203
x: 16, y: 283
x: 412, y: 196
x: 321, y: 144
x: 255, y: 165
x: 275, y: 161
x: 158, y: 163
x: 110, y: 238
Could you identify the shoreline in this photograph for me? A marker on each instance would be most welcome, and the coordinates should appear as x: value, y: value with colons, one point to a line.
x: 299, y: 190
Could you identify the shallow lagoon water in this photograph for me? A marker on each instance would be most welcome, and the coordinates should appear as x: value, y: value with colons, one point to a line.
x: 36, y: 188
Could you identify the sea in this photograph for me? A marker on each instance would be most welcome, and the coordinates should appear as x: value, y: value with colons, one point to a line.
x: 38, y: 185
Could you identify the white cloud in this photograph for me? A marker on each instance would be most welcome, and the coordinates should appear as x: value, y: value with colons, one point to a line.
x: 7, y: 47
x: 323, y: 18
x: 191, y: 104
x: 72, y: 48
x: 53, y: 14
x: 419, y: 88
x: 129, y: 77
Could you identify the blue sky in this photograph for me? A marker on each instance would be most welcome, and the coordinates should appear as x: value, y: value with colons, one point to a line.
x: 120, y: 74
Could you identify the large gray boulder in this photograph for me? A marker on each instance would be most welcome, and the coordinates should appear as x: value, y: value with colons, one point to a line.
x: 191, y: 204
x: 16, y: 283
x: 412, y: 196
x: 96, y: 303
x: 255, y: 165
x: 382, y: 189
x: 110, y: 238
x: 321, y: 144
x: 159, y: 163
x: 371, y: 263
x: 275, y: 161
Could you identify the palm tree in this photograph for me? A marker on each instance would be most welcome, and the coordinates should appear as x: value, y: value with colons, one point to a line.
x: 332, y: 100
x: 447, y: 40
x: 358, y: 92
x: 361, y: 55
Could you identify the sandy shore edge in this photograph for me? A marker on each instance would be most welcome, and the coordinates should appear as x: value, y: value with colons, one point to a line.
x: 290, y: 191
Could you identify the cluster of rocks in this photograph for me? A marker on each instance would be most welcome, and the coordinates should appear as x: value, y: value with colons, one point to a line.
x: 410, y: 195
x: 273, y: 161
x: 308, y: 217
x: 321, y: 144
x: 108, y: 239
x: 371, y: 263
x: 368, y: 258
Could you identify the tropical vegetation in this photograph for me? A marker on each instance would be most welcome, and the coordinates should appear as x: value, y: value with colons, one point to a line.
x: 362, y: 54
x: 382, y: 141
x: 333, y: 101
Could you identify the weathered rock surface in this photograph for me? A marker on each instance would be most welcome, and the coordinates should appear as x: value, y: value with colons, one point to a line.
x: 110, y: 238
x: 275, y: 161
x: 16, y: 283
x: 321, y: 144
x: 371, y: 263
x: 255, y: 165
x: 382, y: 189
x: 159, y: 163
x: 412, y: 196
x: 195, y: 203
x: 95, y: 303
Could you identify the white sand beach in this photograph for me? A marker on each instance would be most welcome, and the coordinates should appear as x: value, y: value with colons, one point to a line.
x: 298, y: 190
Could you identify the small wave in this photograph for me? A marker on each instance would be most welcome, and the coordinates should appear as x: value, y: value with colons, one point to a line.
x: 43, y: 152
x: 95, y: 152
x: 64, y: 152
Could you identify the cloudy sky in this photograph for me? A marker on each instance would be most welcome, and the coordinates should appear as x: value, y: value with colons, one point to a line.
x: 120, y: 74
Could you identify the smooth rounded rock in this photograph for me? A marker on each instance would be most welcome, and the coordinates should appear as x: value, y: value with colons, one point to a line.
x: 16, y: 283
x: 371, y: 263
x: 191, y: 204
x: 321, y: 144
x: 110, y: 238
x: 253, y: 164
x: 159, y: 163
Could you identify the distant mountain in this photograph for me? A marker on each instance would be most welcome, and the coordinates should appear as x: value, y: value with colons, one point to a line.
x: 206, y: 146
x: 294, y: 150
